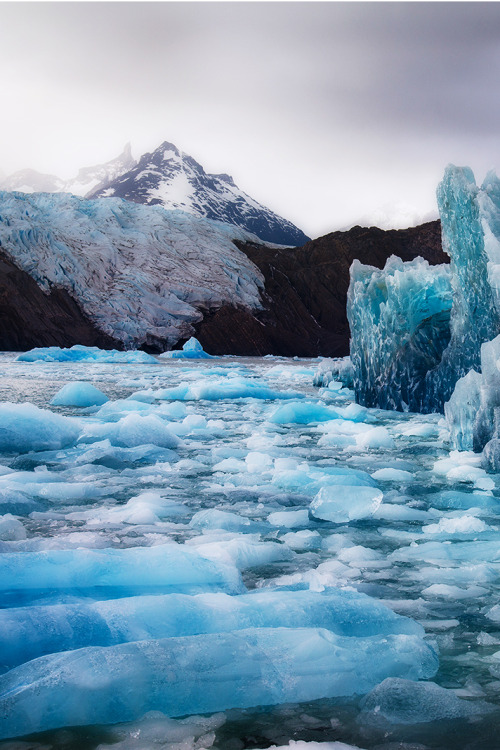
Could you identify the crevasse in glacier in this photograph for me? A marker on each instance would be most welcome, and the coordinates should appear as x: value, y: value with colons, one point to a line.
x: 404, y: 351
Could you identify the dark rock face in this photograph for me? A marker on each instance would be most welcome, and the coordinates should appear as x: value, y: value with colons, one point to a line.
x: 306, y: 292
x: 29, y: 317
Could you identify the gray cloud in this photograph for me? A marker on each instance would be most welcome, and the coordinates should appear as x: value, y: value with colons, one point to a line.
x: 325, y: 111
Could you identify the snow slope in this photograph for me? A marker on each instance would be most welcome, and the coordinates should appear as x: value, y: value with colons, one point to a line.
x: 141, y: 273
x: 170, y: 178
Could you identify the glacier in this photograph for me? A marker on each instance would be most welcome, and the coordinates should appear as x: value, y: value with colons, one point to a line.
x: 416, y: 330
x: 142, y: 274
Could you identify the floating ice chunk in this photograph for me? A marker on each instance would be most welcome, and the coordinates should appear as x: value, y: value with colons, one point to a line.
x: 375, y: 438
x: 29, y: 632
x: 390, y: 512
x: 302, y: 540
x: 393, y: 475
x: 152, y: 731
x: 462, y: 525
x: 342, y: 504
x: 220, y: 519
x: 302, y: 412
x: 230, y: 388
x: 242, y: 552
x: 422, y: 429
x: 172, y: 566
x: 25, y: 427
x: 290, y: 519
x: 449, y: 591
x: 146, y: 508
x: 401, y: 701
x: 231, y: 465
x: 192, y: 349
x: 114, y: 410
x: 442, y: 552
x: 258, y: 462
x: 451, y: 500
x: 189, y: 675
x: 11, y: 528
x: 132, y: 431
x: 79, y: 394
x: 330, y: 370
x: 80, y: 353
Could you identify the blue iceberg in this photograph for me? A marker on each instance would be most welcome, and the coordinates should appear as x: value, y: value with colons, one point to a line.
x: 29, y: 632
x: 25, y: 427
x: 79, y: 394
x: 202, y: 674
x: 79, y: 353
x: 192, y: 349
x: 169, y: 567
x: 417, y: 329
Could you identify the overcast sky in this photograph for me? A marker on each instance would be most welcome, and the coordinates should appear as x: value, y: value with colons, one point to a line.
x: 329, y: 113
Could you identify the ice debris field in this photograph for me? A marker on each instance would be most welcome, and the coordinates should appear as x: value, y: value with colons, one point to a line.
x: 219, y: 553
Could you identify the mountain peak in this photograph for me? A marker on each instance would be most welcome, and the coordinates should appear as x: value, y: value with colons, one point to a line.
x: 173, y: 179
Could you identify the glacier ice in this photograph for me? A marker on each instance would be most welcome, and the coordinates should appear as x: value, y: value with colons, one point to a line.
x: 302, y: 412
x: 171, y: 566
x: 29, y: 632
x: 416, y: 330
x: 25, y: 427
x: 140, y: 273
x: 473, y: 413
x: 202, y: 674
x: 110, y: 546
x: 342, y: 504
x: 132, y: 431
x: 331, y: 370
x: 80, y: 353
x: 79, y: 394
x: 400, y: 326
x: 231, y: 387
x: 192, y: 349
x: 401, y: 701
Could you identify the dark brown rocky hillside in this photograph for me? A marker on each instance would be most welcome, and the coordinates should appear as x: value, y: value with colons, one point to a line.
x: 306, y: 290
x: 29, y: 317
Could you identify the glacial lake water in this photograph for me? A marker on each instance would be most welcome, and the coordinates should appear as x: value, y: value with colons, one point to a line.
x: 428, y: 546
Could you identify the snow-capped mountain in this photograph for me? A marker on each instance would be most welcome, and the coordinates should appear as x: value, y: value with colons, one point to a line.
x: 88, y: 179
x: 172, y: 179
x: 31, y: 181
x: 141, y: 274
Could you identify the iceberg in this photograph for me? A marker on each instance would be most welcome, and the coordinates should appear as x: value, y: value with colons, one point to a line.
x: 29, y: 632
x: 132, y: 431
x: 230, y: 388
x: 202, y: 674
x: 400, y: 701
x: 173, y: 567
x: 80, y: 353
x: 331, y: 370
x: 342, y: 504
x: 417, y: 329
x: 473, y: 411
x: 25, y: 427
x: 400, y: 327
x: 79, y: 394
x: 192, y: 349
